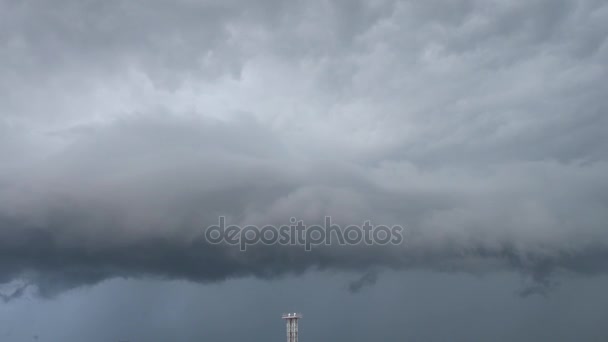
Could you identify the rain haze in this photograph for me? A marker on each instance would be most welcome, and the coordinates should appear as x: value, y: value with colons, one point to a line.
x: 128, y: 128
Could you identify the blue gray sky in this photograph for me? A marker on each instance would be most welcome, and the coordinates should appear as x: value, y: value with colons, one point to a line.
x: 127, y: 127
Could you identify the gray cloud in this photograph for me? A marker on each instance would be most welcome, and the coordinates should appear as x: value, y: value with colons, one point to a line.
x: 367, y: 279
x: 126, y: 129
x: 16, y: 293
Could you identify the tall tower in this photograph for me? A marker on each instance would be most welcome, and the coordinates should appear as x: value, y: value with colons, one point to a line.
x: 292, y: 326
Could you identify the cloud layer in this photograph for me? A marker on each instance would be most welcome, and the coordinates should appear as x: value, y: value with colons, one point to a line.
x: 126, y: 128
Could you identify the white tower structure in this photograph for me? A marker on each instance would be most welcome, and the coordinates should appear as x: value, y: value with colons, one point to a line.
x: 292, y: 326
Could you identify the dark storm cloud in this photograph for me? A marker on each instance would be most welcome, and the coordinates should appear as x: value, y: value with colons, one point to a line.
x: 127, y: 128
x: 132, y: 200
x: 366, y: 279
x: 16, y: 293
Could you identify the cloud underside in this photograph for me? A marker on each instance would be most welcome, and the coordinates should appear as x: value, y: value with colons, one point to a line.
x: 126, y: 129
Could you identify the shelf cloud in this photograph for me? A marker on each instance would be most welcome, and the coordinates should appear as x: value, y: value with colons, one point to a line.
x: 127, y: 128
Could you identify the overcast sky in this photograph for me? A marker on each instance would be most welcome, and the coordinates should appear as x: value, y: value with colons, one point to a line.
x: 127, y: 127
